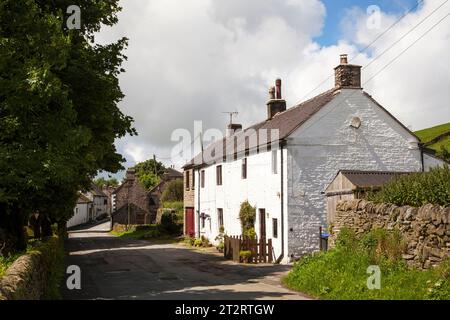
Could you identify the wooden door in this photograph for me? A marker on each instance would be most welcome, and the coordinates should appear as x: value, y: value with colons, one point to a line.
x: 262, y: 223
x: 189, y: 226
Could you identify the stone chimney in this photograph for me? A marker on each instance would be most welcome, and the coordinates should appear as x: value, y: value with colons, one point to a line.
x: 275, y: 104
x: 130, y: 174
x: 232, y: 128
x: 347, y: 75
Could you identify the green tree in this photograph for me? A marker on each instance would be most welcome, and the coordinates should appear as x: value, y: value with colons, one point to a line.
x: 149, y: 172
x: 103, y: 182
x: 173, y: 191
x: 59, y: 114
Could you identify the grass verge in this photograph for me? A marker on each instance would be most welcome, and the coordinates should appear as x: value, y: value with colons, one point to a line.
x: 342, y: 274
x: 146, y: 232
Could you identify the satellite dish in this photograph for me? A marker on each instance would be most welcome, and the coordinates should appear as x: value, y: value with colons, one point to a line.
x: 355, y: 123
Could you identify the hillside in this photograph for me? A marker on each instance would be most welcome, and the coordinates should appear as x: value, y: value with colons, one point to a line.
x: 435, y: 137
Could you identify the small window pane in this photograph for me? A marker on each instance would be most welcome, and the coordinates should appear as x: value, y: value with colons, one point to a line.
x: 275, y: 227
x: 274, y: 162
x: 244, y: 168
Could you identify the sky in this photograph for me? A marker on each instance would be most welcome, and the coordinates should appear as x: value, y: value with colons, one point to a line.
x: 193, y: 60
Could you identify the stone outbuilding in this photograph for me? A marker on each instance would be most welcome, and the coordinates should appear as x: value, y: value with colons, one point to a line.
x: 354, y: 184
x: 134, y: 204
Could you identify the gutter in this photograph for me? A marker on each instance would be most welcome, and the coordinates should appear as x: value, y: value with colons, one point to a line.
x: 282, y: 205
x: 198, y: 204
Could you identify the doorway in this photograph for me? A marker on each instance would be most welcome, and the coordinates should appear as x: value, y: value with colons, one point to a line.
x: 262, y: 223
x: 189, y: 222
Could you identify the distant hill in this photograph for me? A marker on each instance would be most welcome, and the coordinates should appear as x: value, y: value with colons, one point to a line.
x: 436, y: 137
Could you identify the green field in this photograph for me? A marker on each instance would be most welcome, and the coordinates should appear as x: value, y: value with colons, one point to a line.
x: 428, y: 134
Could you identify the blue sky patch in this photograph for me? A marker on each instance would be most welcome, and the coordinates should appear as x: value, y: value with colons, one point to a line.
x: 336, y: 10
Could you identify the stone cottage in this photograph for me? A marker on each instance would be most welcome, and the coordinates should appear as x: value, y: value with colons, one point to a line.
x: 136, y: 205
x: 283, y: 164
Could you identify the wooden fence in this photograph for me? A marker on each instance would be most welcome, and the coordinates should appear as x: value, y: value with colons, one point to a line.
x: 261, y: 250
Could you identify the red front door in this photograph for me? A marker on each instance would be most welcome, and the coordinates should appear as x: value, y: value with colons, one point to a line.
x: 189, y: 227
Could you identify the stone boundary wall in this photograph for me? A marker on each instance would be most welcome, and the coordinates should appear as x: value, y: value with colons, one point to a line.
x: 425, y: 230
x: 27, y: 277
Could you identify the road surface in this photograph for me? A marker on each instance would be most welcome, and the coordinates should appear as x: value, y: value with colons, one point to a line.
x: 118, y: 268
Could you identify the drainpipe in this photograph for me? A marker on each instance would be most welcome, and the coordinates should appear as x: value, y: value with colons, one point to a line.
x: 421, y: 157
x: 198, y: 205
x: 282, y: 205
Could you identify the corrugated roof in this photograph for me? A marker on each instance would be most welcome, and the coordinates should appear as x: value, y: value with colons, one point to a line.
x: 367, y: 179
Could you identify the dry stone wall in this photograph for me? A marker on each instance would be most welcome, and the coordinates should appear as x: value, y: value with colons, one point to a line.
x: 425, y: 230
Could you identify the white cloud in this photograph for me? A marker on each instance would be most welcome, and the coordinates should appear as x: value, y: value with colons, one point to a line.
x: 192, y: 60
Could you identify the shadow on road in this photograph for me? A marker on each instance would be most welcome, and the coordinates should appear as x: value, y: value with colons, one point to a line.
x: 117, y: 268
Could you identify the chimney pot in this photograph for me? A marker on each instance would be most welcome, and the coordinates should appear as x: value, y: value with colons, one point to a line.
x: 347, y: 75
x: 275, y: 103
x: 278, y: 88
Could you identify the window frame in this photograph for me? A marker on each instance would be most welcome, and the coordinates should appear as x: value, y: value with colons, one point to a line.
x: 219, y: 181
x: 220, y: 222
x: 187, y: 179
x: 274, y: 161
x: 244, y: 168
x: 275, y: 228
x: 202, y: 178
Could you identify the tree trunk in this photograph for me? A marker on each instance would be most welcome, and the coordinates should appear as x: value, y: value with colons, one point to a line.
x: 36, y: 225
x: 46, y: 226
x: 17, y: 228
x: 62, y: 229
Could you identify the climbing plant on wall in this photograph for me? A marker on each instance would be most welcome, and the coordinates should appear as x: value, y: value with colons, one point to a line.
x: 247, y: 215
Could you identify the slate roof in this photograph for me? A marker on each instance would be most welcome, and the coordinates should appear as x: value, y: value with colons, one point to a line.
x: 96, y: 191
x: 286, y: 122
x: 83, y: 199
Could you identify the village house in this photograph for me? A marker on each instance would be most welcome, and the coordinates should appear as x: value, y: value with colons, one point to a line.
x: 133, y: 204
x: 82, y: 212
x: 285, y: 174
x: 91, y: 205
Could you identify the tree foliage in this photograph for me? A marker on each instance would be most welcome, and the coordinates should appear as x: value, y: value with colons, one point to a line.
x: 103, y: 182
x: 59, y: 114
x: 149, y: 172
x: 173, y: 191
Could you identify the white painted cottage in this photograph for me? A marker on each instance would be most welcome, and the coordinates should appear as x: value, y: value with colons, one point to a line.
x: 82, y: 213
x: 285, y: 175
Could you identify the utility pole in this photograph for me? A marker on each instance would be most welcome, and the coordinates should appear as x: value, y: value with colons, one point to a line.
x: 154, y: 163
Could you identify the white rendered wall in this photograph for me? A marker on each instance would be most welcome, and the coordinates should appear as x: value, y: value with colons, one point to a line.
x: 326, y: 144
x: 80, y: 215
x: 262, y: 189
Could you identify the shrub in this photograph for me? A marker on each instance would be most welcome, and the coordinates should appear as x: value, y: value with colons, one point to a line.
x: 173, y: 191
x: 178, y: 207
x: 198, y: 242
x: 245, y: 255
x: 189, y: 240
x: 220, y: 237
x: 250, y: 233
x: 247, y: 215
x: 221, y: 246
x: 168, y: 223
x: 417, y: 189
